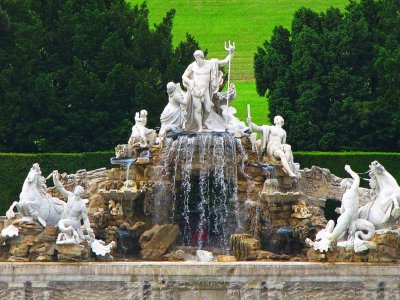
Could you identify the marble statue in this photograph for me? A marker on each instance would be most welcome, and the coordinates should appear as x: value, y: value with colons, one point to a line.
x: 74, y: 213
x: 349, y: 232
x: 274, y: 142
x: 141, y: 136
x: 383, y: 210
x: 35, y: 202
x: 173, y: 115
x: 202, y: 79
x: 233, y: 124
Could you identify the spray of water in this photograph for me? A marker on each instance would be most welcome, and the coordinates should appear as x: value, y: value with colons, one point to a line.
x: 203, y: 172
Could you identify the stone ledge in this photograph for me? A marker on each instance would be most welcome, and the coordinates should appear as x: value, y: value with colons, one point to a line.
x: 290, y: 271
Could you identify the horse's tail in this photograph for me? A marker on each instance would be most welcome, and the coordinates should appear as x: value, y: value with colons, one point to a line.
x: 364, y: 235
x: 64, y: 227
x: 365, y: 230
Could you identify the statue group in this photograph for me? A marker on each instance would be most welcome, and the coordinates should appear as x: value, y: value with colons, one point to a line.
x: 36, y: 204
x: 201, y: 109
x: 357, y: 226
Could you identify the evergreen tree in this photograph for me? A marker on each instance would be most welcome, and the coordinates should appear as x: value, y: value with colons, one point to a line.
x: 73, y: 73
x: 336, y: 83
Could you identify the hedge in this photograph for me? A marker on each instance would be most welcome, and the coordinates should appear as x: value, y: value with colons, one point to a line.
x: 15, y: 167
x: 359, y: 162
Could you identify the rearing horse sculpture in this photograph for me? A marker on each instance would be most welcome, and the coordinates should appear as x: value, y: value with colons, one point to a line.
x: 34, y: 201
x: 383, y: 210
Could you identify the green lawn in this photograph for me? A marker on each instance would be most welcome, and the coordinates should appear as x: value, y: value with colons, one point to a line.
x: 246, y: 22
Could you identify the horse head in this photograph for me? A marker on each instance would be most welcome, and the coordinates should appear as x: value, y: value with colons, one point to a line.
x: 376, y: 168
x: 33, y: 174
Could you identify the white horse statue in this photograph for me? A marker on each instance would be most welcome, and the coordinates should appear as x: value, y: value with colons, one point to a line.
x: 35, y: 202
x: 383, y: 210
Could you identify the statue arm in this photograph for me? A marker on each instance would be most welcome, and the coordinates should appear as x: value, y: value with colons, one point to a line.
x: 354, y: 175
x: 225, y: 60
x: 180, y: 96
x: 85, y: 219
x: 254, y: 126
x: 284, y: 138
x: 186, y: 77
x: 59, y: 186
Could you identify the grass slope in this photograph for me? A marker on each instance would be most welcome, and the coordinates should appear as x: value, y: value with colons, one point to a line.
x: 247, y: 23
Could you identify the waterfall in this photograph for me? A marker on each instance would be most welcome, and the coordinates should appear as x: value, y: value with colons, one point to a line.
x: 202, y: 170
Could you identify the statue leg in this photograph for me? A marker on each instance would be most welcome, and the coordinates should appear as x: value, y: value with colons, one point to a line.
x: 206, y: 110
x: 198, y: 113
x: 341, y: 227
x: 281, y: 155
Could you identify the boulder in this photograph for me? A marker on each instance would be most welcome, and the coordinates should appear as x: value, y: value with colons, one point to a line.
x: 226, y: 258
x: 157, y: 240
x: 243, y: 244
x: 204, y: 256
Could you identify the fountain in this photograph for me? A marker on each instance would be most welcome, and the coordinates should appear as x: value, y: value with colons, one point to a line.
x: 203, y: 190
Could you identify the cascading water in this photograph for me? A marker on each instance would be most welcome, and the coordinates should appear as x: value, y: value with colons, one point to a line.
x: 203, y: 171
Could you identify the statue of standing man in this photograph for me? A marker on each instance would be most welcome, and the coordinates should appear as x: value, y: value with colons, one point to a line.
x: 202, y: 79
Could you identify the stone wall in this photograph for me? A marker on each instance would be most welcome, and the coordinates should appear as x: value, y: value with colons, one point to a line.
x: 199, y: 281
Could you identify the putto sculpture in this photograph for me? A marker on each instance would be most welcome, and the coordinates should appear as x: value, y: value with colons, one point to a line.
x: 142, y: 136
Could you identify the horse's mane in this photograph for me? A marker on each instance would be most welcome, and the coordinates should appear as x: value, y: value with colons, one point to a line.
x: 41, y: 186
x: 373, y: 183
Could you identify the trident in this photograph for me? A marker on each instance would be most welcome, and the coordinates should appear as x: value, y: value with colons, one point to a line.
x: 230, y: 46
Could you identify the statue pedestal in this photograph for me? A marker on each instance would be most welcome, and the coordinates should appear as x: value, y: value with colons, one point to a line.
x: 73, y: 252
x: 388, y: 250
x: 33, y: 243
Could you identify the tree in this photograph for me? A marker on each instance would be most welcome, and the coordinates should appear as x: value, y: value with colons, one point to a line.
x: 73, y: 73
x: 338, y: 78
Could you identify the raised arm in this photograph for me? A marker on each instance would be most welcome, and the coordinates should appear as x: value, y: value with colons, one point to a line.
x: 228, y: 58
x: 354, y: 175
x: 59, y: 186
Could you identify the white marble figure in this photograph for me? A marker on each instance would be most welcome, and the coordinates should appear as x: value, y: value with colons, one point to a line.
x: 74, y: 213
x: 10, y: 231
x: 383, y: 210
x: 173, y: 115
x: 142, y: 136
x: 274, y: 141
x: 35, y: 202
x: 233, y: 124
x: 349, y: 231
x: 100, y: 248
x: 202, y: 79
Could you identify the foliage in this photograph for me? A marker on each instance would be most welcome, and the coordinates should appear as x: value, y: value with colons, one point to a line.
x: 334, y: 77
x: 72, y: 73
